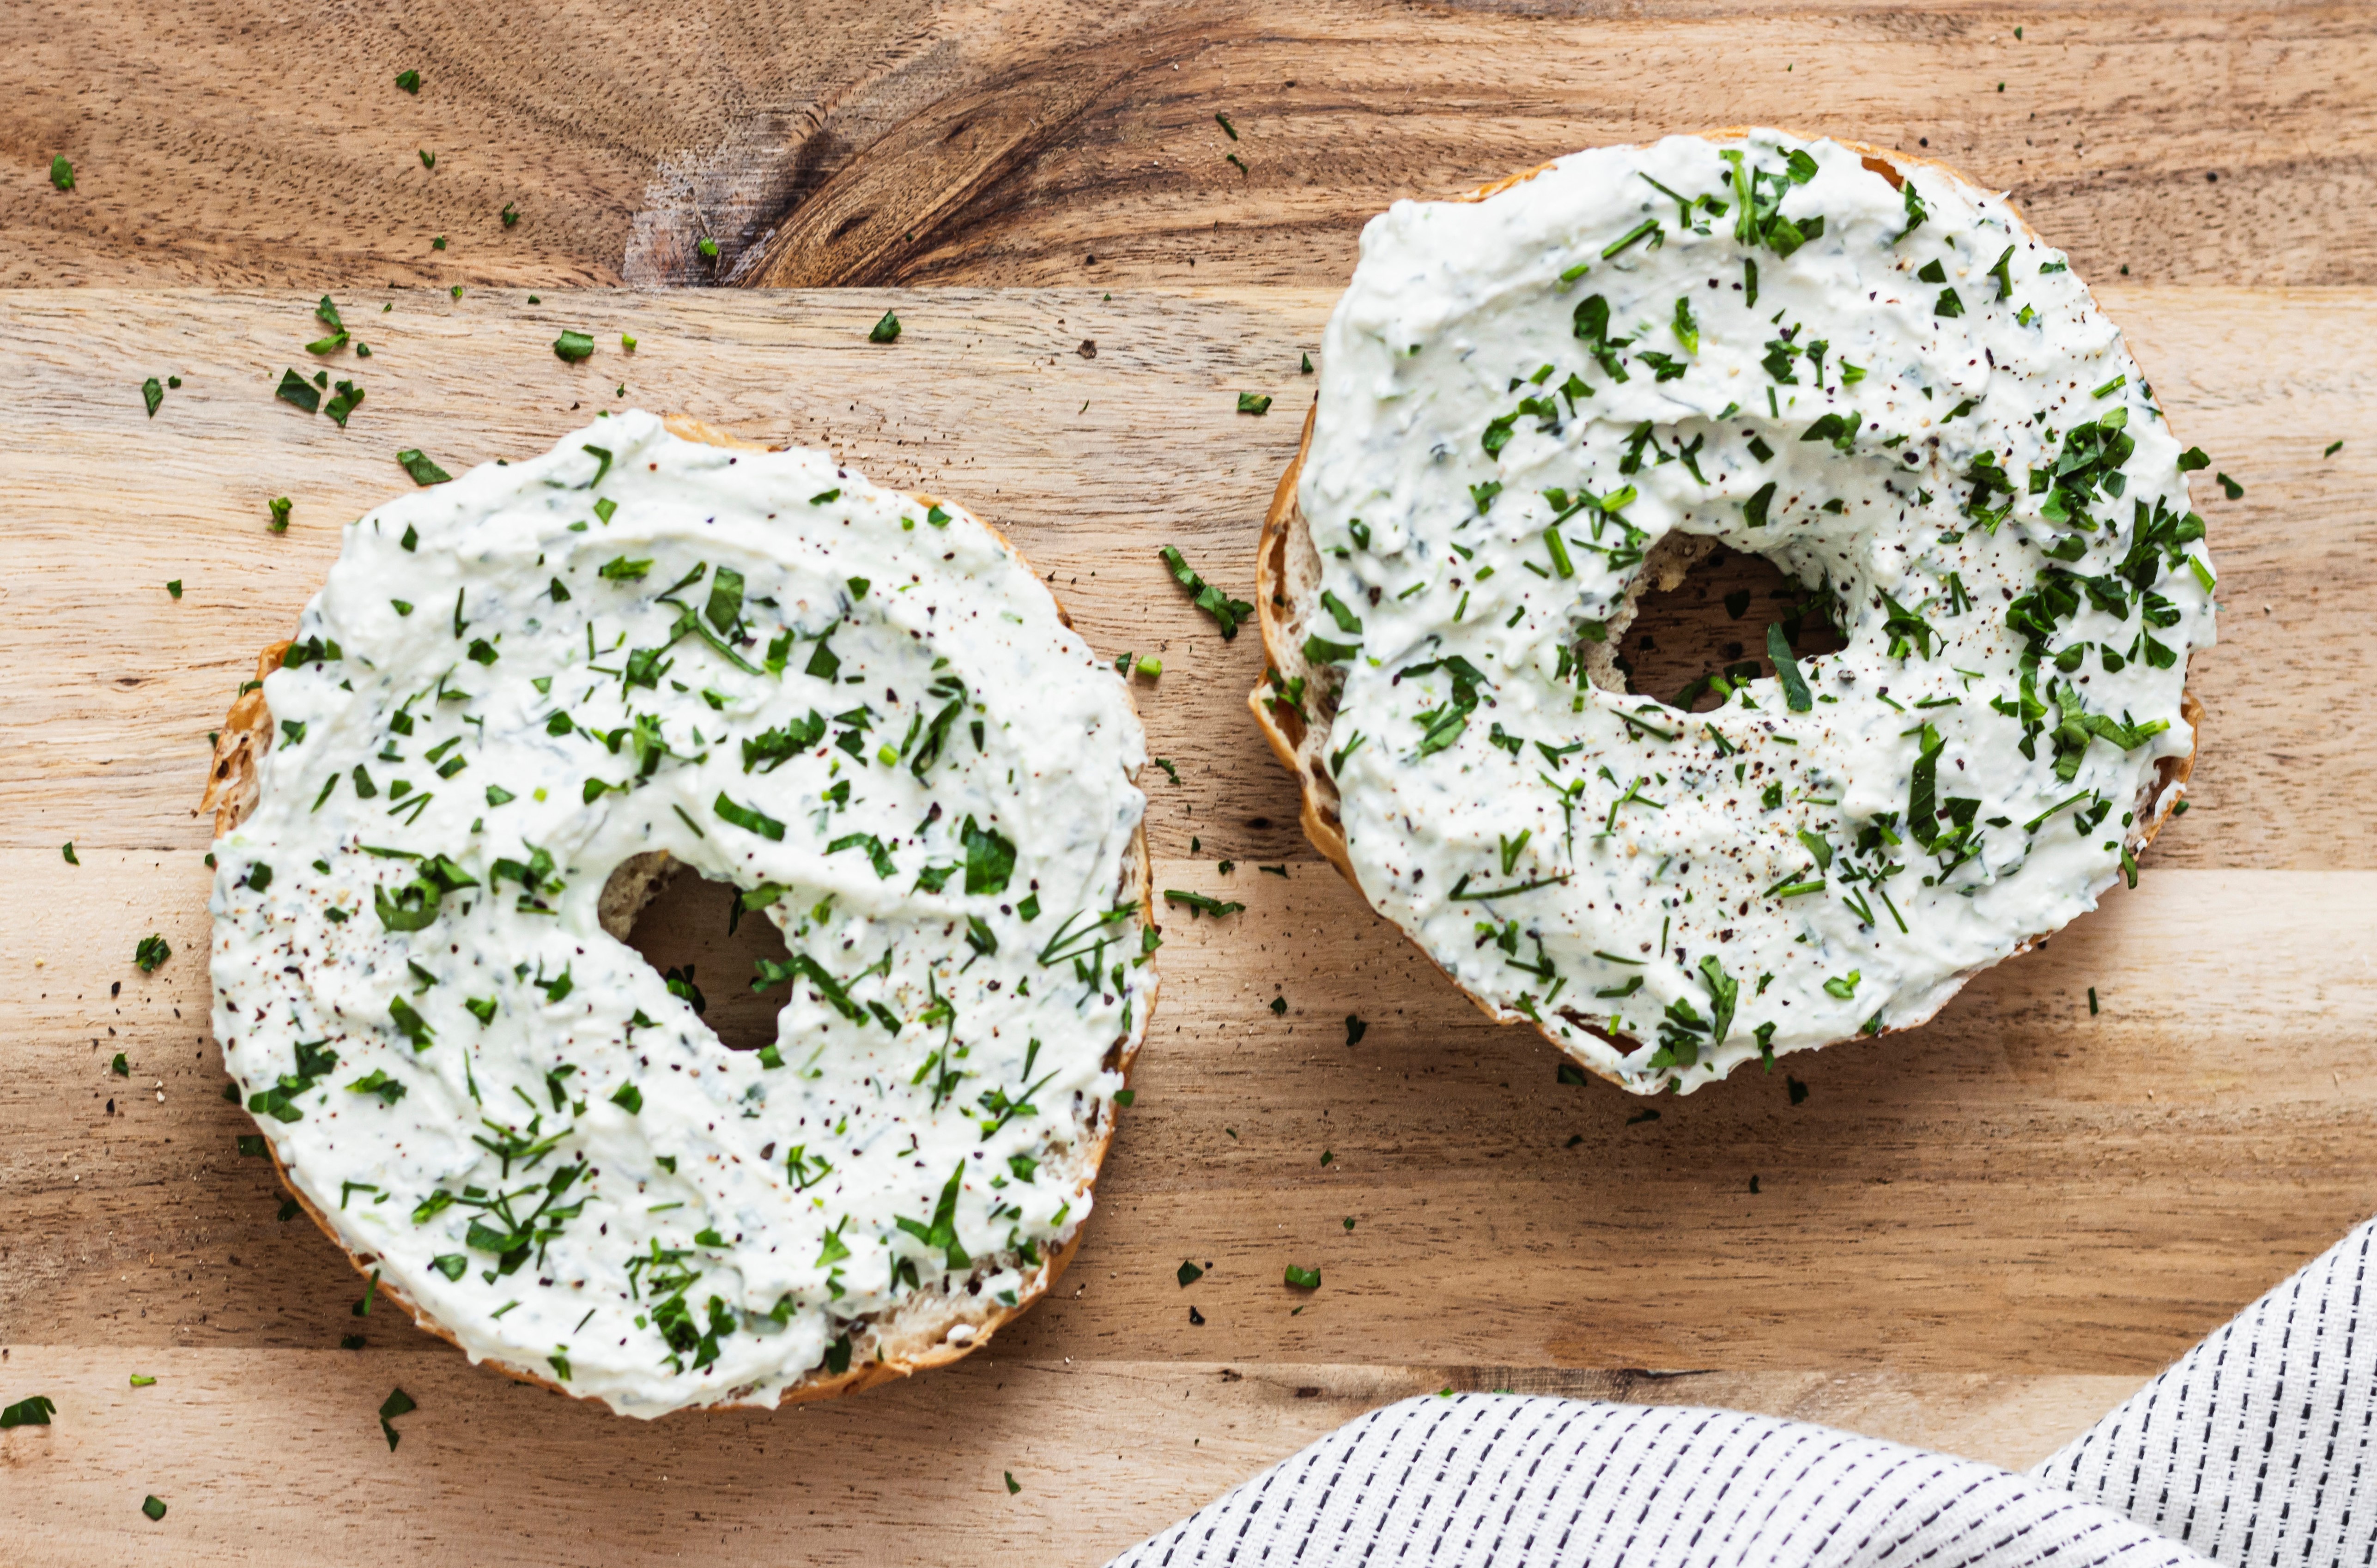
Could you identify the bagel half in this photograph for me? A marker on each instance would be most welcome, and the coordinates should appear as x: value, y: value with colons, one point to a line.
x: 929, y: 1328
x: 1289, y: 572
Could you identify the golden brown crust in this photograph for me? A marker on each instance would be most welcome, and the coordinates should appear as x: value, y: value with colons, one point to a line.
x: 1298, y: 743
x: 231, y: 795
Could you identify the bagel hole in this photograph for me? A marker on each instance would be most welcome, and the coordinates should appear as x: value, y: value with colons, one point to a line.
x: 683, y: 933
x: 1715, y: 618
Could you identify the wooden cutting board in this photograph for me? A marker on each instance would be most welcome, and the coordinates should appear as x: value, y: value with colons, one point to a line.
x: 1977, y: 1237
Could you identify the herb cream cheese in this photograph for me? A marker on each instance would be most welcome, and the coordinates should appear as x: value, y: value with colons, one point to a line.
x: 1876, y: 377
x: 855, y: 705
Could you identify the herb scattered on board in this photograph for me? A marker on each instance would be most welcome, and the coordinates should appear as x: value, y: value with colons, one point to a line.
x: 152, y: 950
x: 1013, y: 1485
x: 153, y: 392
x: 33, y: 1412
x: 1254, y: 403
x: 398, y: 1403
x: 153, y: 1505
x: 574, y: 348
x: 68, y: 851
x: 409, y: 81
x: 1188, y: 1273
x: 423, y: 471
x: 1201, y: 904
x: 1303, y: 1278
x: 886, y: 330
x: 60, y: 173
x: 1228, y: 613
x: 295, y: 390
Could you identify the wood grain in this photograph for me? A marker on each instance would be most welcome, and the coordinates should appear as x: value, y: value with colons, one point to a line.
x: 275, y: 1456
x: 233, y: 141
x: 1978, y: 1237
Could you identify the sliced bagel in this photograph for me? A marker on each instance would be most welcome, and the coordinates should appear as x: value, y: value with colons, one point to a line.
x: 931, y: 1325
x: 1513, y: 241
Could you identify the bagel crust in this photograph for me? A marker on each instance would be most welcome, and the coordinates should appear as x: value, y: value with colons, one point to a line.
x: 499, y: 1111
x: 1543, y: 402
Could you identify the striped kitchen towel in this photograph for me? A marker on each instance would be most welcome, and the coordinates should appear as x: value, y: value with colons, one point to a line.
x: 2254, y: 1449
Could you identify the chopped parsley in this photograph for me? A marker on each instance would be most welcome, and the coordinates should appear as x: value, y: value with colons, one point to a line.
x: 422, y: 471
x: 1228, y: 613
x: 1200, y: 905
x: 295, y: 390
x: 35, y: 1411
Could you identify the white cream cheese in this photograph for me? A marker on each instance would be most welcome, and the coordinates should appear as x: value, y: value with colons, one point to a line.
x: 859, y: 708
x: 1901, y: 396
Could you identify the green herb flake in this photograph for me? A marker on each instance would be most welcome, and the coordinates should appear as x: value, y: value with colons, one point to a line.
x: 153, y: 1505
x: 573, y: 348
x: 1787, y: 670
x: 62, y: 172
x: 756, y: 821
x: 886, y: 330
x: 295, y: 390
x: 153, y: 392
x: 410, y: 81
x: 1303, y: 1278
x: 1251, y: 403
x: 423, y: 472
x: 343, y: 402
x: 1228, y: 613
x: 398, y: 1403
x: 174, y: 587
x: 33, y: 1412
x: 151, y: 951
x: 67, y: 849
x: 1199, y: 905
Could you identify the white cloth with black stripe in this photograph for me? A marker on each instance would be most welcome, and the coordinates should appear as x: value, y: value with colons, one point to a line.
x: 2256, y: 1448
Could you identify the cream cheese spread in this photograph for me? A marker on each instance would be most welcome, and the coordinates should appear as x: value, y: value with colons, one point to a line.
x: 856, y: 706
x: 1878, y: 379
